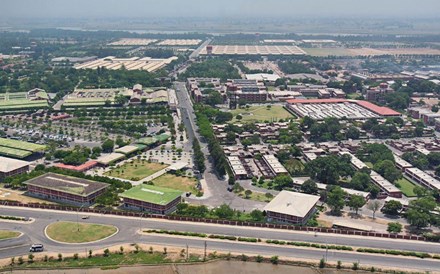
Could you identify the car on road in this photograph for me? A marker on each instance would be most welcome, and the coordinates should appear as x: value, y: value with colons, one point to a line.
x: 85, y: 217
x: 36, y: 248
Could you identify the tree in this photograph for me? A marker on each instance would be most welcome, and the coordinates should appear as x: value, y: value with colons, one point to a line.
x: 328, y: 170
x: 283, y: 181
x: 374, y: 205
x: 394, y: 227
x: 353, y: 133
x: 419, y: 212
x: 108, y: 146
x: 434, y: 109
x: 360, y: 181
x: 356, y: 202
x: 224, y: 212
x: 388, y: 170
x: 309, y: 187
x: 247, y: 193
x: 257, y: 215
x: 335, y: 200
x: 392, y: 207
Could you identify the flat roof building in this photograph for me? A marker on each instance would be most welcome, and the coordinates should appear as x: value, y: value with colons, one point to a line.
x: 422, y: 178
x: 153, y: 199
x: 65, y: 189
x: 274, y: 165
x: 10, y: 167
x: 291, y: 207
x: 237, y: 168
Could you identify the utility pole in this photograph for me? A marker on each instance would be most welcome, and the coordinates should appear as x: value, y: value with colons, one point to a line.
x: 204, y: 257
x: 187, y: 253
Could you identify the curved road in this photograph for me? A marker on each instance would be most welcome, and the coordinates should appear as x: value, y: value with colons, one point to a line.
x: 129, y: 227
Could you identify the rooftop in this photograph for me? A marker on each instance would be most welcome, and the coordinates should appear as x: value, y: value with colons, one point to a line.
x: 152, y: 194
x: 67, y: 184
x: 8, y: 164
x: 292, y: 203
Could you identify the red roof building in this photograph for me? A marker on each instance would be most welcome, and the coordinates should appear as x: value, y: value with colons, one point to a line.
x: 84, y: 167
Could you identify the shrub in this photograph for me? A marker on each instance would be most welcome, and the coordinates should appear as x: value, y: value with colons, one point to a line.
x: 75, y: 256
x: 259, y: 259
x: 90, y: 253
x: 106, y: 252
x: 244, y: 258
x: 60, y: 257
x: 339, y: 265
x: 355, y: 266
x: 46, y: 258
x: 20, y: 260
x: 121, y: 250
x: 322, y: 263
x: 274, y: 259
x: 12, y: 260
x: 165, y: 251
x: 150, y: 250
x: 31, y: 258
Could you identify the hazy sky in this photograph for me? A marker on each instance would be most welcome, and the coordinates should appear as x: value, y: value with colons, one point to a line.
x: 218, y: 8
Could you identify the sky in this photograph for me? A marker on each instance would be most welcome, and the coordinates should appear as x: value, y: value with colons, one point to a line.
x: 218, y: 8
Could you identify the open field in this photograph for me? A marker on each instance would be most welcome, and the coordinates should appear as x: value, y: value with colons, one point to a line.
x: 184, y: 184
x: 369, y: 51
x: 135, y: 170
x: 261, y: 113
x: 67, y: 232
x: 8, y: 234
x: 406, y: 187
x: 13, y: 195
x: 21, y: 100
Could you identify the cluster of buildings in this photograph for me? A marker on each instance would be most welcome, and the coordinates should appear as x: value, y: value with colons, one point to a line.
x: 377, y: 94
x: 252, y: 50
x: 246, y: 90
x: 425, y: 113
x: 320, y: 109
x: 134, y: 63
x: 424, y: 146
x: 135, y: 96
x: 197, y: 86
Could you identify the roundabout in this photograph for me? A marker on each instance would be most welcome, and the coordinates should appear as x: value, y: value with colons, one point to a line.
x: 79, y: 233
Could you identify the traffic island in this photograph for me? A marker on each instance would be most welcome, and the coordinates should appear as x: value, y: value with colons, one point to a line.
x: 9, y: 234
x: 78, y: 233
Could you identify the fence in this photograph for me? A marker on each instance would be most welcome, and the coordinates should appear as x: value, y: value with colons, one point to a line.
x: 218, y: 221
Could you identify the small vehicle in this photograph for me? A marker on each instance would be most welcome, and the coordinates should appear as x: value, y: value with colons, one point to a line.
x: 36, y: 248
x: 230, y: 188
x: 85, y: 217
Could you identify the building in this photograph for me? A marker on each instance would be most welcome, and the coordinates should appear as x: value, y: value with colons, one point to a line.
x: 11, y: 167
x: 291, y: 207
x: 65, y: 189
x: 377, y: 94
x: 274, y: 165
x: 81, y: 168
x: 422, y: 178
x: 237, y: 168
x: 246, y: 90
x: 197, y: 86
x: 153, y: 199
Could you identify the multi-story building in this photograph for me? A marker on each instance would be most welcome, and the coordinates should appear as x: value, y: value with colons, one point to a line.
x: 11, y: 167
x: 152, y: 199
x: 65, y: 189
x: 246, y: 91
x: 291, y: 207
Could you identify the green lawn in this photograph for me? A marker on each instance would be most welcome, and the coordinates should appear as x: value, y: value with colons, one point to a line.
x: 261, y: 113
x: 406, y: 187
x: 141, y: 257
x: 256, y: 196
x: 67, y: 232
x: 8, y: 234
x: 136, y: 170
x: 184, y: 184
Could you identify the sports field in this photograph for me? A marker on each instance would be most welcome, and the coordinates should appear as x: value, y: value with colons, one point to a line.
x: 261, y: 113
x: 184, y: 184
x: 136, y: 170
x: 20, y: 100
x: 72, y: 232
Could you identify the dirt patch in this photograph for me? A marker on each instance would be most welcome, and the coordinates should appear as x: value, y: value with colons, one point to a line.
x: 14, y: 195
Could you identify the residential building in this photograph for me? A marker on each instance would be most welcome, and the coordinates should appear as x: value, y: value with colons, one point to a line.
x: 10, y: 167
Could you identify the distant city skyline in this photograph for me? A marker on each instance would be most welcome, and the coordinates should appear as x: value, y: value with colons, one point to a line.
x: 227, y: 8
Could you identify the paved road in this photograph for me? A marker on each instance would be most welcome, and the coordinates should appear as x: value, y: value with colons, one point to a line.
x: 217, y: 187
x: 128, y: 227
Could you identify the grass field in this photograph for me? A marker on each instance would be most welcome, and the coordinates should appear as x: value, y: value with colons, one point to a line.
x: 4, y: 142
x: 184, y: 184
x: 406, y: 187
x: 13, y: 152
x: 67, y: 232
x: 7, y: 234
x: 136, y: 170
x: 261, y: 113
x: 255, y: 196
